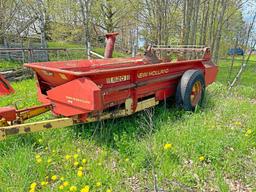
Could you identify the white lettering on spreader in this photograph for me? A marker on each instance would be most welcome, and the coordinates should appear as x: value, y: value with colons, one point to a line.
x: 118, y: 79
x: 71, y: 99
x: 152, y: 73
x: 122, y: 78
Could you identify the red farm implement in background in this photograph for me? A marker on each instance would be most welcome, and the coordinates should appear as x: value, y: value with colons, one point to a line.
x: 5, y: 87
x: 80, y: 91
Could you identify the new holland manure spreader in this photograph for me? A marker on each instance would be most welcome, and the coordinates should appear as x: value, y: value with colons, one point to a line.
x: 80, y: 91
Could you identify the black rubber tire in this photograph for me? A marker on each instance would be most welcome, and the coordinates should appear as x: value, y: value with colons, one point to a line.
x: 184, y: 89
x: 178, y: 98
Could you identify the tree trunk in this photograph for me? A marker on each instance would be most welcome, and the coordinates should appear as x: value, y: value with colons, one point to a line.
x: 195, y: 21
x: 206, y: 24
x: 84, y: 8
x: 213, y: 27
x: 42, y: 26
x: 219, y: 31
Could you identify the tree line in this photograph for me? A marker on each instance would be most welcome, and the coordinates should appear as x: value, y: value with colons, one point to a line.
x: 218, y: 24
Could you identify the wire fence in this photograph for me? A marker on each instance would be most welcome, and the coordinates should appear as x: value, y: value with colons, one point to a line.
x: 24, y: 55
x: 12, y: 59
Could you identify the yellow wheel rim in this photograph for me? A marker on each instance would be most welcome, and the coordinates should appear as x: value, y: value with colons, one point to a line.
x: 196, y: 93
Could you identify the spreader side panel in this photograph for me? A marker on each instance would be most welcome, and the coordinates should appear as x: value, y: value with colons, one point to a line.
x: 75, y: 97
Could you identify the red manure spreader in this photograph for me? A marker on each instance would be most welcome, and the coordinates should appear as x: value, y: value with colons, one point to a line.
x: 80, y: 91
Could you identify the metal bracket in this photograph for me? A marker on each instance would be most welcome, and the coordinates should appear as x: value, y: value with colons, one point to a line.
x: 128, y: 106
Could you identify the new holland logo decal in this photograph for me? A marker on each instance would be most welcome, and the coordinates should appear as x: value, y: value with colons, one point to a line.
x: 152, y: 73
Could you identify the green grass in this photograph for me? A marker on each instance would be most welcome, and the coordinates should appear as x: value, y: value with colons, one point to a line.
x: 64, y: 45
x: 77, y: 54
x: 248, y: 77
x: 115, y: 53
x: 246, y: 85
x: 4, y: 64
x: 126, y: 153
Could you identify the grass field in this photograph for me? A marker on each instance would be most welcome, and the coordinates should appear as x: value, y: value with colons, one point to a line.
x: 4, y: 64
x: 213, y: 149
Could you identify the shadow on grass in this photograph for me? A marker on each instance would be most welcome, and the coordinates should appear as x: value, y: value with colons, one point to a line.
x: 125, y: 129
x: 110, y: 133
x: 116, y: 134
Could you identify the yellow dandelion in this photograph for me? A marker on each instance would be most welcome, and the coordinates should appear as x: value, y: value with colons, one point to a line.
x: 98, y: 184
x: 49, y: 160
x: 84, y: 161
x: 238, y: 123
x: 248, y: 132
x: 37, y: 156
x: 167, y: 146
x: 80, y: 168
x: 109, y: 190
x: 32, y: 190
x: 79, y: 173
x: 43, y: 183
x: 65, y: 184
x: 61, y: 187
x: 85, y: 189
x: 39, y: 160
x: 54, y: 177
x: 73, y: 188
x: 67, y: 157
x: 75, y: 156
x: 33, y: 185
x: 76, y: 163
x: 201, y: 158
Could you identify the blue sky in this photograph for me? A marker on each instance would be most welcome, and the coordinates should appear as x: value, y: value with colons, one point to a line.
x: 249, y: 9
